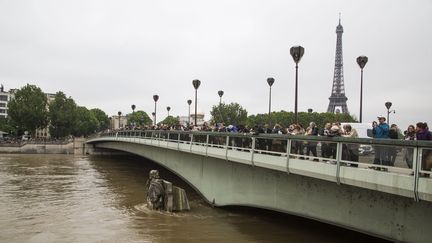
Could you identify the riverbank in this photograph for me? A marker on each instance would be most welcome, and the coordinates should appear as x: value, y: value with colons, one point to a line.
x: 76, y: 146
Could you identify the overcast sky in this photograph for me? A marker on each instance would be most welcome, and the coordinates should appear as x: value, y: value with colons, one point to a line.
x: 112, y: 54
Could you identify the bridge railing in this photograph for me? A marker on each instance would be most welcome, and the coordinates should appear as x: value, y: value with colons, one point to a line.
x: 410, y: 158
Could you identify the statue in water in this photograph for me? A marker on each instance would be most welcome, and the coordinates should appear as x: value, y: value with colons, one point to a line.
x: 156, y: 191
x: 162, y: 195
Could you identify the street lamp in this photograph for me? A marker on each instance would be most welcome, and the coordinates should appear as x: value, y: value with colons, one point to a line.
x: 388, y: 104
x: 220, y: 93
x: 189, y: 103
x: 296, y: 53
x: 133, y: 108
x: 310, y: 110
x: 196, y: 83
x: 168, y: 109
x: 155, y: 98
x: 119, y: 115
x: 361, y: 61
x: 270, y: 82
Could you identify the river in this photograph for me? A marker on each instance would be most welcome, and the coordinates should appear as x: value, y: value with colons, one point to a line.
x: 67, y: 198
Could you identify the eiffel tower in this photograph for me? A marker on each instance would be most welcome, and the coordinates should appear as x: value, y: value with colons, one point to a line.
x: 338, y: 98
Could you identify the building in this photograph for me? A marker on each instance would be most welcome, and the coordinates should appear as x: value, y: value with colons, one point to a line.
x: 5, y: 97
x: 118, y: 122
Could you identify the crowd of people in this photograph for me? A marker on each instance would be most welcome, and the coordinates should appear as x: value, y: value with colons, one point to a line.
x: 384, y: 155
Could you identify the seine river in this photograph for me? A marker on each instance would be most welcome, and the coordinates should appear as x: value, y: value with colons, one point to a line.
x: 66, y: 198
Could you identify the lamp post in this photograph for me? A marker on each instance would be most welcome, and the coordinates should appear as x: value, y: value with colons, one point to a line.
x: 270, y: 82
x: 196, y: 83
x: 296, y: 53
x: 361, y: 61
x: 310, y: 110
x: 168, y: 109
x: 220, y: 93
x: 388, y: 105
x: 119, y: 115
x: 133, y: 108
x: 189, y: 103
x: 155, y: 98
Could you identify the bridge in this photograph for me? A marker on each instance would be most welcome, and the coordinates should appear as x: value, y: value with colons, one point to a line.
x: 266, y: 171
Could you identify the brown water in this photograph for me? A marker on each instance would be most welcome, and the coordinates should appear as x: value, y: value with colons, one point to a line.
x: 64, y: 198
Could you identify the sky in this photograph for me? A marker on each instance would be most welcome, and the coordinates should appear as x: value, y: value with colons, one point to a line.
x: 111, y: 54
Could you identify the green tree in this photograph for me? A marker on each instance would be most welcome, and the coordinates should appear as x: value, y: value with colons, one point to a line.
x: 232, y: 113
x: 86, y: 123
x: 287, y: 118
x: 6, y: 126
x: 102, y: 117
x: 170, y: 121
x: 62, y: 115
x: 139, y: 118
x: 28, y: 109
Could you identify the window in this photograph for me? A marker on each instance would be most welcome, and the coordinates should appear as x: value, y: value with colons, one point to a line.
x: 3, y: 97
x: 2, y: 105
x: 2, y: 111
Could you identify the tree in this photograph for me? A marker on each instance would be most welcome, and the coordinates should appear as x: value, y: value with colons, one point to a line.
x: 102, y: 117
x: 170, y: 121
x: 62, y: 115
x: 231, y: 114
x: 139, y: 118
x: 86, y: 123
x: 285, y: 119
x: 28, y: 109
x: 6, y: 126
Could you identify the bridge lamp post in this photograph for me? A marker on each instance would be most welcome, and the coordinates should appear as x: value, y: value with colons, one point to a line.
x: 196, y: 83
x: 361, y: 61
x: 270, y: 82
x: 310, y: 110
x: 189, y: 103
x: 168, y: 109
x: 155, y: 98
x: 119, y: 115
x: 388, y: 105
x: 220, y: 93
x: 296, y: 53
x: 133, y: 108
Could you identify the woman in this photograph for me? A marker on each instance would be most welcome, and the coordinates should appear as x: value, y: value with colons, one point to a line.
x: 311, y: 146
x: 410, y: 134
x: 423, y: 133
x: 351, y: 152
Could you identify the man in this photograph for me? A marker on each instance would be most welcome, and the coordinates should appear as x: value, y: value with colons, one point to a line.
x: 380, y: 130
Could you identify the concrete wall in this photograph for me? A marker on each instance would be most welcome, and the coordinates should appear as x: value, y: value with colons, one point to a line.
x: 224, y: 182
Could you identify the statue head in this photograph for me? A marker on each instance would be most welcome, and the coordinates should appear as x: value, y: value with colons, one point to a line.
x: 154, y: 174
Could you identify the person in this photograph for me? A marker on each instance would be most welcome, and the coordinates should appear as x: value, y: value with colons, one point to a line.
x: 423, y: 133
x: 410, y: 135
x: 392, y: 151
x: 297, y: 145
x: 380, y: 130
x: 325, y: 147
x: 311, y: 146
x: 351, y: 151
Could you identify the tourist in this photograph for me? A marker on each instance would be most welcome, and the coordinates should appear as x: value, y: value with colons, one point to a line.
x: 423, y: 133
x: 392, y: 151
x: 410, y: 134
x: 351, y: 151
x: 311, y: 146
x: 380, y: 130
x: 325, y: 132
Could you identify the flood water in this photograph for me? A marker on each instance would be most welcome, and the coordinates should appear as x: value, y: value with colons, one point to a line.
x: 67, y: 198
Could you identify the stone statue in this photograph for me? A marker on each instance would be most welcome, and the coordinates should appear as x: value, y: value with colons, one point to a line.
x: 162, y: 195
x: 156, y: 191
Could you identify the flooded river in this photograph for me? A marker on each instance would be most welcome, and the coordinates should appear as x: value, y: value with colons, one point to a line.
x: 66, y: 198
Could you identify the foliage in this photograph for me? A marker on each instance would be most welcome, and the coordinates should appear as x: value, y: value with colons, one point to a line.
x: 6, y: 126
x: 62, y: 115
x: 139, y: 118
x: 86, y: 123
x: 232, y: 113
x: 285, y: 119
x: 170, y: 121
x: 28, y: 109
x: 102, y: 118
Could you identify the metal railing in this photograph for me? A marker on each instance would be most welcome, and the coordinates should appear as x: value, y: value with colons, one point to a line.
x: 410, y: 158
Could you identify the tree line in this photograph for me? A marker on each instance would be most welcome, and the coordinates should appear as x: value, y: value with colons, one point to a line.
x: 30, y: 110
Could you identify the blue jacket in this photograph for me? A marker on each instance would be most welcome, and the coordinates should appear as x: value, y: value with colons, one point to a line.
x: 381, y: 131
